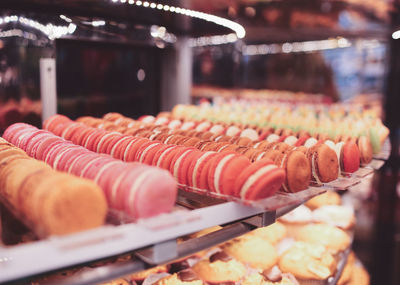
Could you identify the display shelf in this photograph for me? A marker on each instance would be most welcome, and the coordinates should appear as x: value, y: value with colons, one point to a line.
x: 18, y: 262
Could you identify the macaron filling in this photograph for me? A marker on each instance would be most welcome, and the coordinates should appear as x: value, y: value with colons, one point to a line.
x: 314, y: 169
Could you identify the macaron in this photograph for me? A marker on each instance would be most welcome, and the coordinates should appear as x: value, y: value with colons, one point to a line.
x: 143, y: 149
x: 176, y: 164
x: 301, y: 141
x: 259, y: 180
x: 203, y: 126
x: 109, y: 143
x: 291, y: 140
x: 196, y: 168
x: 206, y: 135
x: 217, y: 129
x: 164, y: 160
x: 310, y: 142
x: 349, y: 158
x: 272, y: 138
x: 250, y: 133
x: 232, y: 131
x: 140, y: 188
x: 297, y: 168
x: 131, y: 149
x: 365, y: 148
x: 375, y: 140
x: 324, y: 163
x: 223, y: 171
x: 261, y: 144
x: 53, y: 121
x: 188, y: 125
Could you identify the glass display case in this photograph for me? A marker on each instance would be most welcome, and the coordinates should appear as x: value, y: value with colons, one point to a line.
x: 141, y: 59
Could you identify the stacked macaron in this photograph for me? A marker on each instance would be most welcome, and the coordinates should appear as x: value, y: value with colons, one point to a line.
x: 137, y: 189
x: 50, y: 202
x: 208, y: 170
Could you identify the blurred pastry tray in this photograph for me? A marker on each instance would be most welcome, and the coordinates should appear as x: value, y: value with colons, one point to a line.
x: 158, y: 234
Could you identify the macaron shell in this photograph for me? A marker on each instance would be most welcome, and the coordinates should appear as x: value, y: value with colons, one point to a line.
x: 231, y: 172
x: 298, y: 171
x: 176, y: 156
x: 166, y: 159
x: 351, y: 157
x: 184, y: 169
x: 122, y: 185
x: 147, y: 200
x: 301, y: 141
x: 375, y: 140
x: 242, y: 177
x: 326, y: 163
x: 143, y: 148
x: 365, y: 148
x: 133, y: 148
x: 161, y: 149
x: 199, y: 170
x: 267, y: 185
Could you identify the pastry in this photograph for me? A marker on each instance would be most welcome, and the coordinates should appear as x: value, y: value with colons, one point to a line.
x: 308, y: 263
x: 272, y: 233
x: 220, y: 268
x: 247, y: 251
x: 184, y: 277
x: 334, y: 239
x: 296, y: 219
x: 335, y: 215
x: 328, y: 198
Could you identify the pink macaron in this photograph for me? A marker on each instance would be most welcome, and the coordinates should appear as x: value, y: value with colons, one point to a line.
x: 149, y: 192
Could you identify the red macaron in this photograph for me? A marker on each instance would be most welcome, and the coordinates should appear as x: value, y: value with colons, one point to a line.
x: 224, y: 169
x: 259, y: 180
x: 350, y: 157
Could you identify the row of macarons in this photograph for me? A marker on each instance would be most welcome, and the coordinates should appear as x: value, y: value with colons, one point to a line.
x: 137, y: 189
x: 227, y: 173
x: 295, y: 163
x: 348, y: 155
x: 342, y: 129
x: 232, y: 134
x: 218, y: 132
x: 48, y: 201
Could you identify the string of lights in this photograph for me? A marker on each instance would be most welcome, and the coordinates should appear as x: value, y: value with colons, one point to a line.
x: 50, y: 30
x: 235, y: 27
x: 307, y: 46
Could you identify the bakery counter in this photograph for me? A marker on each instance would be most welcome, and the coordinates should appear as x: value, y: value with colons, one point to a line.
x: 197, y: 251
x: 154, y: 240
